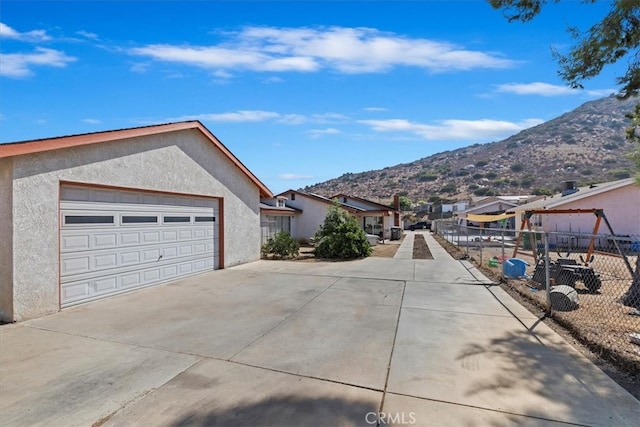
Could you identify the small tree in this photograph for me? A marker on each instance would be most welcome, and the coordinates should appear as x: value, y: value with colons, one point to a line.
x: 340, y: 237
x: 281, y: 246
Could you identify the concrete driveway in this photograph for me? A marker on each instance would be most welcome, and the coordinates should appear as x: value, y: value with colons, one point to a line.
x: 375, y: 341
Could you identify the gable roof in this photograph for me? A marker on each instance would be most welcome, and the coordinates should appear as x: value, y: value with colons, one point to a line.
x: 557, y: 200
x: 265, y: 208
x: 40, y: 145
x: 369, y: 202
x: 326, y: 200
x: 507, y: 204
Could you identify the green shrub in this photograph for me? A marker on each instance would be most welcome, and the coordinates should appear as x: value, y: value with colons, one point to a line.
x: 620, y: 174
x: 517, y: 167
x: 340, y: 237
x: 281, y: 246
x: 542, y: 191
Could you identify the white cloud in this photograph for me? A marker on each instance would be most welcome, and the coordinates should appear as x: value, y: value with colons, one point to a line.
x: 30, y: 36
x: 547, y: 89
x: 87, y: 34
x: 273, y: 79
x: 92, y: 121
x: 21, y: 64
x: 375, y: 109
x: 242, y: 116
x: 345, y: 50
x: 293, y: 119
x: 600, y: 92
x: 293, y: 176
x: 454, y: 129
x: 140, y: 67
x: 316, y: 133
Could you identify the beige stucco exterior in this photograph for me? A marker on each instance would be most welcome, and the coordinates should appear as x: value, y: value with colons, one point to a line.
x: 6, y: 239
x: 621, y: 206
x: 184, y: 162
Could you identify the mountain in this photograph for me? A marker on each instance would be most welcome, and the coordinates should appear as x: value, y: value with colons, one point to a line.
x: 586, y: 145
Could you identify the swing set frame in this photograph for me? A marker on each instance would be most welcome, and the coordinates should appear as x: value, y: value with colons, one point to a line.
x: 600, y: 216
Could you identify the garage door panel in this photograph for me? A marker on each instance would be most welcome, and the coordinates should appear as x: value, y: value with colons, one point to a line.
x: 104, y: 258
x: 106, y: 285
x: 96, y: 261
x: 128, y: 258
x: 150, y: 276
x: 76, y: 291
x: 105, y: 261
x: 75, y: 243
x: 129, y: 280
x: 149, y: 237
x: 76, y: 265
x: 103, y: 241
x: 170, y: 235
x: 130, y: 238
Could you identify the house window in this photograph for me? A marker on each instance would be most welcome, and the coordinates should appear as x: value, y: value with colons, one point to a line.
x: 274, y: 225
x: 280, y: 203
x: 344, y: 200
x: 373, y: 225
x: 293, y: 196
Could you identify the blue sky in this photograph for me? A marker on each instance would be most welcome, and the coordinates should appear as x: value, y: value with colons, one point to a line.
x: 301, y: 92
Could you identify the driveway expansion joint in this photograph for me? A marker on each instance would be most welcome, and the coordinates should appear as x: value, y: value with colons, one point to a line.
x: 463, y: 405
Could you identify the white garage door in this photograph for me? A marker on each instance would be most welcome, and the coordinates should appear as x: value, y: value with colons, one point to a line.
x: 112, y: 241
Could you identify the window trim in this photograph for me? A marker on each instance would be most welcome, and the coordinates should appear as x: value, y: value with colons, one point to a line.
x: 201, y: 218
x: 124, y: 217
x: 80, y: 224
x: 176, y: 219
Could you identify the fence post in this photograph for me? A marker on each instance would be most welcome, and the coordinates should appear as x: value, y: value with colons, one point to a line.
x: 547, y: 278
x: 481, y: 239
x: 466, y: 227
x: 502, y: 257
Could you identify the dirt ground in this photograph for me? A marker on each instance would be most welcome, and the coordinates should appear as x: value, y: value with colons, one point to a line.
x: 420, y: 248
x: 386, y: 250
x: 601, y: 316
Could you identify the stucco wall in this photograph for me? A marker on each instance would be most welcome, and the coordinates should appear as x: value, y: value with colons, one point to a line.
x: 305, y: 225
x: 6, y: 240
x: 621, y: 207
x: 182, y: 162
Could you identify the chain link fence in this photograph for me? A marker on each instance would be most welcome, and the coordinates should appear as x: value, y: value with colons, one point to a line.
x: 590, y: 284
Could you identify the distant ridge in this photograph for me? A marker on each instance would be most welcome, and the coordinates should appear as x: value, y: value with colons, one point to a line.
x: 586, y: 145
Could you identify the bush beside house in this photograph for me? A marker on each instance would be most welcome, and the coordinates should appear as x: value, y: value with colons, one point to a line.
x: 340, y: 237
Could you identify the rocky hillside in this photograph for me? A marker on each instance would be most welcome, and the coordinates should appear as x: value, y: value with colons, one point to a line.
x: 586, y: 145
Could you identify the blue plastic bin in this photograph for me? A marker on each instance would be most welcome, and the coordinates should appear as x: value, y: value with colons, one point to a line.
x: 514, y: 268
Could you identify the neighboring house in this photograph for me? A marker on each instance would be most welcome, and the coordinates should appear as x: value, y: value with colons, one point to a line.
x: 376, y: 218
x: 620, y: 201
x: 453, y: 207
x: 447, y: 210
x: 275, y: 217
x: 313, y: 209
x: 94, y: 215
x: 480, y: 214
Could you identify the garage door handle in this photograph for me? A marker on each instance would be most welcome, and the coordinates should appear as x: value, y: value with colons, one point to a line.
x: 159, y: 258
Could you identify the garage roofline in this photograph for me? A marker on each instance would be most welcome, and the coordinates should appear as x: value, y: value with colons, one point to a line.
x: 40, y: 145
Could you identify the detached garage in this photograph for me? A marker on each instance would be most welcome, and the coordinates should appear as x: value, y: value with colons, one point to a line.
x: 95, y: 215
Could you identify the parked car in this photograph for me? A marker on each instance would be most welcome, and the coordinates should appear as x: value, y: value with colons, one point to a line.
x: 422, y: 225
